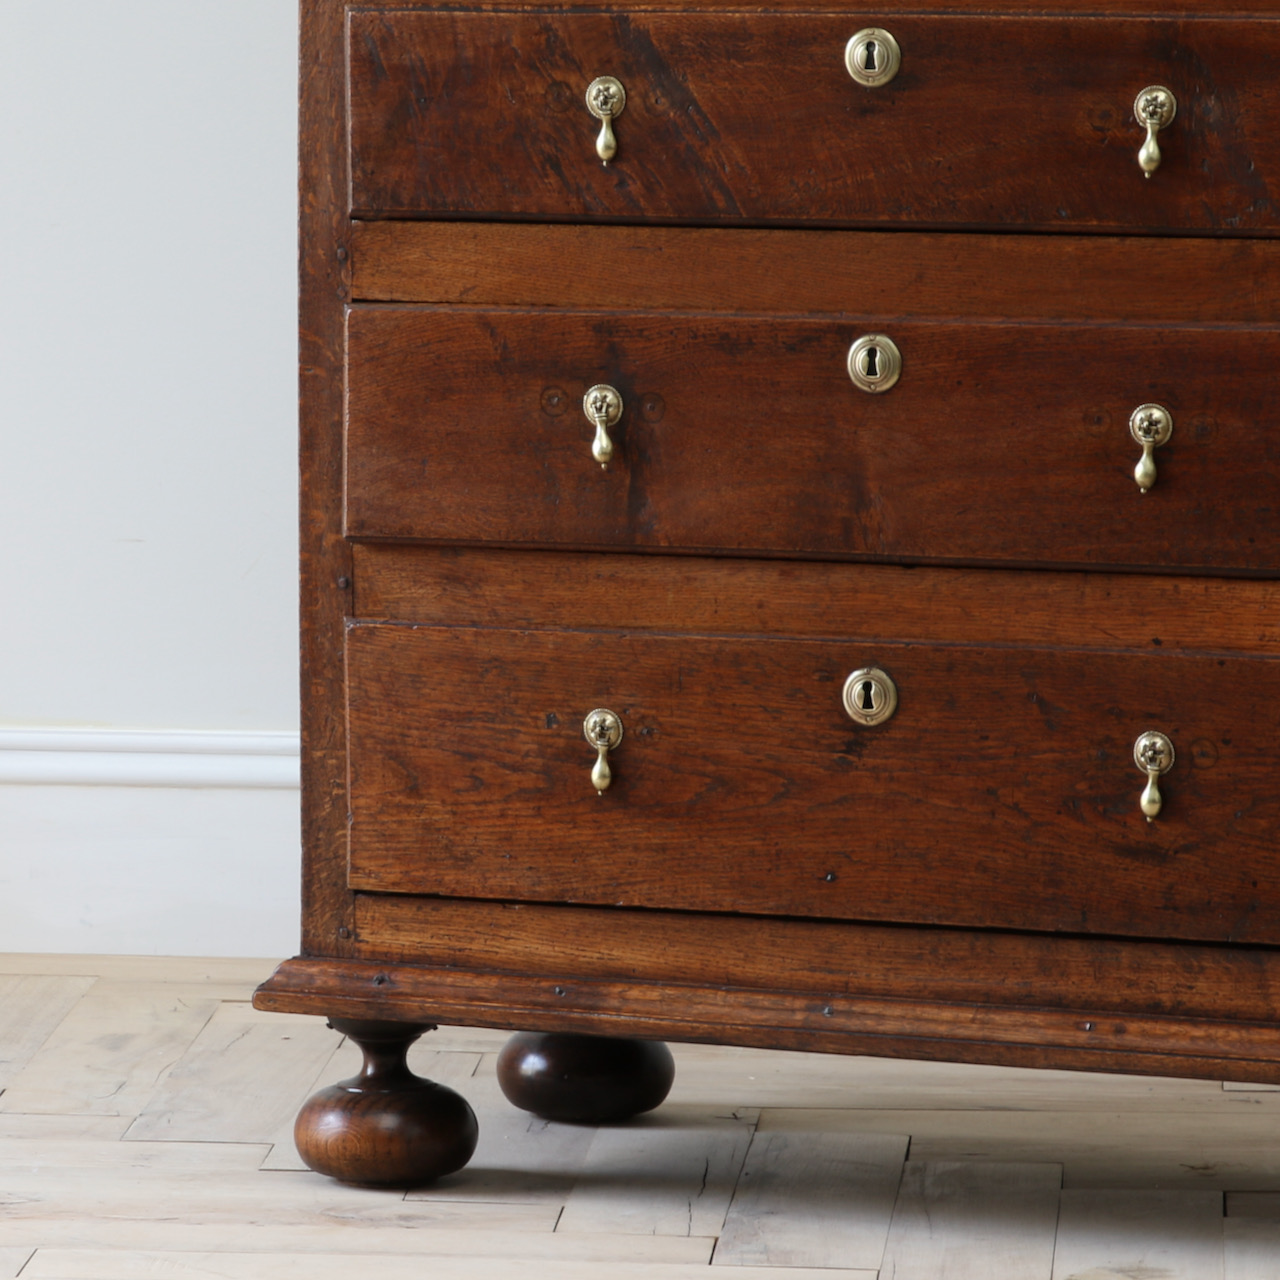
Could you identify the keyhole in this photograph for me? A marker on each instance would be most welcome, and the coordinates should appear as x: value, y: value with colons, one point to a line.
x: 868, y: 696
x: 871, y: 362
x: 871, y: 57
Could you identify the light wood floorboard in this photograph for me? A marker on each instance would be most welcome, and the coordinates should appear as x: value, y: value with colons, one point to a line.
x: 112, y: 1049
x: 684, y: 1161
x: 73, y: 1264
x: 146, y: 1131
x: 1150, y: 1235
x: 813, y: 1199
x: 12, y: 1260
x: 1251, y: 1249
x: 32, y: 1006
x: 972, y: 1221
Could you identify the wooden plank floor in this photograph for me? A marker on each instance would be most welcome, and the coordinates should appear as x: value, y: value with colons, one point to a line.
x: 146, y: 1108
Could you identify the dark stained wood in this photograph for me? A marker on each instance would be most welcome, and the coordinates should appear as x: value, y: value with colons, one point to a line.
x: 994, y: 1030
x: 489, y: 587
x: 993, y: 121
x: 577, y: 1079
x: 824, y: 959
x: 971, y: 277
x: 325, y: 557
x: 385, y: 1127
x: 1004, y: 789
x: 1000, y: 443
x: 682, y: 642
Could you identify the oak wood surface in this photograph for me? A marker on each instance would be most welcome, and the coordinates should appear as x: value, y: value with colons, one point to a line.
x: 1003, y: 790
x: 1100, y: 279
x: 992, y: 121
x: 999, y: 443
x: 988, y: 1032
x: 824, y: 958
x: 324, y: 555
x: 491, y: 587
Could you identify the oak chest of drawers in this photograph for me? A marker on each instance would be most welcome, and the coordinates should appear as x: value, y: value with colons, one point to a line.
x: 789, y: 536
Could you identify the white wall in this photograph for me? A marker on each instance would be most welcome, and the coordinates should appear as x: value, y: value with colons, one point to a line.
x: 147, y: 484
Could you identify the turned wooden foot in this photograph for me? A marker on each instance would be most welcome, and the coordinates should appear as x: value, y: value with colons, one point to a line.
x: 584, y: 1079
x: 385, y: 1127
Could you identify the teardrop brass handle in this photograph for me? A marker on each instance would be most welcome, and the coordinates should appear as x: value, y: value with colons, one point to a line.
x: 1153, y: 754
x: 1150, y: 425
x: 1154, y: 108
x: 606, y: 100
x: 603, y: 406
x: 603, y: 730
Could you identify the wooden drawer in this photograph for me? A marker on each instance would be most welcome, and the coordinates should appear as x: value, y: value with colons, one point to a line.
x: 999, y: 443
x: 1003, y: 792
x: 992, y: 121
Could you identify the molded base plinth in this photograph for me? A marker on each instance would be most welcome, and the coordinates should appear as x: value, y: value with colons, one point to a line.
x: 385, y: 1127
x: 584, y: 1079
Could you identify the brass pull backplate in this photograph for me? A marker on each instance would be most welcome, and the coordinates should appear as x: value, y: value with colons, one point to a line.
x: 603, y: 406
x: 1154, y: 108
x: 1150, y: 425
x: 1153, y: 754
x: 603, y: 730
x: 606, y: 100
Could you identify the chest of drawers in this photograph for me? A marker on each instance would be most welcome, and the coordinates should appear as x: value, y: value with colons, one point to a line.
x: 789, y: 537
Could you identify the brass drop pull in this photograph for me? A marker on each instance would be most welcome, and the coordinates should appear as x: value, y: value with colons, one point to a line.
x: 1150, y: 425
x: 606, y: 100
x: 1153, y: 754
x: 603, y: 730
x: 603, y: 406
x: 1154, y: 109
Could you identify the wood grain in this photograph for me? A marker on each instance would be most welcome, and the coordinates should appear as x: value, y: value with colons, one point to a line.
x: 70, y: 1264
x: 470, y: 776
x: 1000, y: 444
x: 229, y: 1086
x: 687, y: 1159
x: 1003, y: 1035
x: 1102, y: 279
x: 813, y: 1200
x: 31, y: 1007
x: 323, y: 285
x: 107, y: 1055
x: 824, y: 958
x: 972, y: 1221
x: 959, y: 138
x: 1172, y: 1234
x: 493, y: 587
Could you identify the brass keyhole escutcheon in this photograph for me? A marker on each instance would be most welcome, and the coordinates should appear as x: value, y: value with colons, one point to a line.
x: 603, y: 406
x: 606, y: 100
x: 1153, y: 754
x: 1150, y: 425
x: 1154, y: 108
x: 603, y: 730
x: 875, y: 363
x: 872, y: 57
x: 870, y: 696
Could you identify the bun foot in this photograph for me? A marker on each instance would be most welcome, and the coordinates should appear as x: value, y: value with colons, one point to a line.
x: 385, y: 1127
x: 584, y: 1079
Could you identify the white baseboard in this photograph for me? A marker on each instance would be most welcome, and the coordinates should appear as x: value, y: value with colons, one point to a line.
x: 148, y: 758
x: 149, y: 843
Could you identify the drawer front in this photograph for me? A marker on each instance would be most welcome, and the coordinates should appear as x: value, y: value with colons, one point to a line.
x: 991, y: 121
x: 1003, y: 792
x: 999, y: 443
